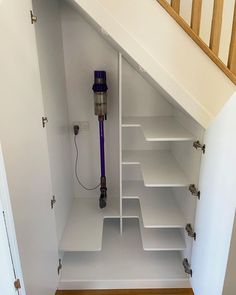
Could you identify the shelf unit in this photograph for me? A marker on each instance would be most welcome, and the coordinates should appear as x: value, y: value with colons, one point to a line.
x: 156, y: 154
x: 142, y: 229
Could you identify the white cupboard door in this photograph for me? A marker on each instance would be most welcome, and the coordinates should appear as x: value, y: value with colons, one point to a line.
x: 216, y: 209
x: 25, y: 148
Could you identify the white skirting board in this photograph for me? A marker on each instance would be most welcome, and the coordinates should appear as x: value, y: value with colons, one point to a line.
x: 122, y: 263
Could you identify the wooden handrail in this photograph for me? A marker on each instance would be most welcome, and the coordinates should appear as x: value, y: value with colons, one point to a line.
x: 193, y: 31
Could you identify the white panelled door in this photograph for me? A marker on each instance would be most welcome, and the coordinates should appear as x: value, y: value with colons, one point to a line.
x: 25, y: 149
x: 216, y: 209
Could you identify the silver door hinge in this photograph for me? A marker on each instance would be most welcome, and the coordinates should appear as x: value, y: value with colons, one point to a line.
x: 33, y: 17
x: 190, y: 231
x: 187, y: 267
x: 53, y: 202
x: 194, y: 191
x: 44, y: 121
x: 17, y: 284
x: 198, y: 146
x: 59, y: 267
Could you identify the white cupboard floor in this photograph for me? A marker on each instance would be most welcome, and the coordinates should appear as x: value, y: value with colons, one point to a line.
x: 122, y: 263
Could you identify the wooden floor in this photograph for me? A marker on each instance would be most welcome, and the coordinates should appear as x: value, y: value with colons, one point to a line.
x: 130, y: 292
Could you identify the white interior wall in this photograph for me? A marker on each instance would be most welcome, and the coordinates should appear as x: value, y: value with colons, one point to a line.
x: 85, y: 51
x: 227, y: 24
x: 216, y: 210
x: 227, y: 21
x: 52, y: 72
x: 139, y: 97
x: 186, y: 10
x: 206, y: 18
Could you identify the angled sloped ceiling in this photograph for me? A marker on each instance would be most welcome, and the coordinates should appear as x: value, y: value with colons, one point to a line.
x: 152, y: 39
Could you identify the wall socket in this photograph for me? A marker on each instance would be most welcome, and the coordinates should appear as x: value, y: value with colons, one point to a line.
x: 83, y: 125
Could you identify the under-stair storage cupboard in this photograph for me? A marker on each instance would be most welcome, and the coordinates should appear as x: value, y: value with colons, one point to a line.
x: 146, y: 235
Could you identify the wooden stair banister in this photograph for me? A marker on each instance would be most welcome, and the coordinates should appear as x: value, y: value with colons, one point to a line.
x: 216, y: 26
x: 175, y: 4
x: 232, y: 49
x: 193, y: 30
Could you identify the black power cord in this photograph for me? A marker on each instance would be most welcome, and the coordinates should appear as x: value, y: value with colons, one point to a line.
x: 76, y: 132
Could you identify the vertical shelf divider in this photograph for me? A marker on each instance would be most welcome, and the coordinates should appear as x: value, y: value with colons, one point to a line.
x: 120, y: 138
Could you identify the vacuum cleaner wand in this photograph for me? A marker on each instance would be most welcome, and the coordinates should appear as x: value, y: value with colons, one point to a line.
x: 100, y: 107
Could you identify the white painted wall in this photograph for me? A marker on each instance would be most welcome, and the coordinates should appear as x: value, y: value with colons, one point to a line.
x: 216, y: 210
x: 85, y: 51
x: 139, y: 98
x: 52, y: 73
x: 186, y: 10
x: 154, y: 40
x: 205, y: 29
x: 24, y: 147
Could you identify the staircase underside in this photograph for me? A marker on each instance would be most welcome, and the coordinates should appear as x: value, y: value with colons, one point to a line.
x: 165, y: 55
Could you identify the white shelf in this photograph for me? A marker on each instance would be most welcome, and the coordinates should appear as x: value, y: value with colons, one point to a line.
x: 84, y: 228
x: 122, y: 263
x: 154, y: 239
x: 159, y: 168
x: 162, y: 239
x: 159, y: 208
x: 159, y: 128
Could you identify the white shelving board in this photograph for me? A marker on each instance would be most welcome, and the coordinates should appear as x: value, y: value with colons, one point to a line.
x: 84, y: 229
x: 131, y: 267
x: 159, y: 208
x: 154, y: 239
x: 159, y: 168
x: 162, y: 239
x: 159, y: 128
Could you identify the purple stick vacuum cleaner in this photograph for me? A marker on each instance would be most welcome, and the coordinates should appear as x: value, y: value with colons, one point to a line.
x: 100, y: 107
